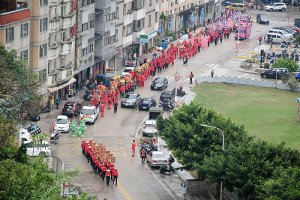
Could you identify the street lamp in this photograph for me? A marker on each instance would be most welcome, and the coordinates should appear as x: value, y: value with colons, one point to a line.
x: 223, y: 147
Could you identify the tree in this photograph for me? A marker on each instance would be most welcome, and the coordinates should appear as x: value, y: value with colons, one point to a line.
x: 297, y: 39
x: 293, y: 84
x: 286, y: 63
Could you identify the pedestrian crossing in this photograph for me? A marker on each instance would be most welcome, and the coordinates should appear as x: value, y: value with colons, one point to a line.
x: 279, y: 22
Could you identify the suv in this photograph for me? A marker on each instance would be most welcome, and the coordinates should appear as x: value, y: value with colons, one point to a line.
x: 276, y: 6
x: 89, y: 113
x: 275, y: 73
x: 170, y: 95
x: 71, y: 108
x: 282, y: 32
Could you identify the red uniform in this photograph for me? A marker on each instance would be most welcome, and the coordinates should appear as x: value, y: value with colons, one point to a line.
x: 102, y: 110
x: 109, y: 103
x: 133, y: 146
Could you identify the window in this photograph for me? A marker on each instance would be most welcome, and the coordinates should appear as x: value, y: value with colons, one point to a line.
x: 10, y: 34
x: 55, y: 11
x: 43, y: 2
x: 85, y: 26
x: 123, y: 31
x: 43, y: 24
x: 129, y: 29
x: 63, y: 10
x: 63, y: 36
x: 42, y: 75
x: 150, y: 2
x: 117, y: 13
x: 116, y: 36
x: 138, y: 4
x: 24, y: 30
x: 62, y: 61
x: 138, y: 24
x: 124, y: 9
x: 156, y: 14
x: 24, y: 55
x: 91, y: 24
x: 43, y: 50
x: 149, y: 24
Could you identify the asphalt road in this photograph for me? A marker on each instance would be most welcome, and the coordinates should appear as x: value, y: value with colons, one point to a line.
x: 116, y: 131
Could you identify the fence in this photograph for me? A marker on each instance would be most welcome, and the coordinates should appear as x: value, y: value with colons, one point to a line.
x: 245, y: 81
x: 57, y: 164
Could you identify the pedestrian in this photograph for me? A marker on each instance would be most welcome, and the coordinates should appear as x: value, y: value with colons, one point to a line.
x: 52, y: 102
x: 143, y: 155
x: 191, y: 77
x: 221, y: 38
x: 194, y: 27
x: 57, y: 102
x: 249, y: 5
x: 116, y: 106
x: 260, y: 39
x: 115, y: 176
x: 107, y: 174
x: 212, y: 73
x: 133, y: 146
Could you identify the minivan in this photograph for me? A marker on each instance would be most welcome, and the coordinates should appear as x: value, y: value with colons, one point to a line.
x: 282, y: 32
x: 89, y: 113
x: 277, y: 38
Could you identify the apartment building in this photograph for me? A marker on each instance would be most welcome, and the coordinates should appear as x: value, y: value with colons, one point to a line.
x: 186, y: 13
x: 85, y: 40
x: 15, y: 30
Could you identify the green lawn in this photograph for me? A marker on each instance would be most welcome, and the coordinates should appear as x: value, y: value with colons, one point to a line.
x: 267, y: 113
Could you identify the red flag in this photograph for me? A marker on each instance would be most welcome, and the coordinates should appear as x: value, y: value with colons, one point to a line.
x: 74, y: 5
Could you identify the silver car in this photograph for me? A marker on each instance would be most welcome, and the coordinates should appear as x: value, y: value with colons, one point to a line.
x: 132, y: 99
x: 157, y: 159
x: 149, y: 128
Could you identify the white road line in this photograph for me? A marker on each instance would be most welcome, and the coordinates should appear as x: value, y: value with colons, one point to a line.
x: 211, y: 65
x: 137, y: 131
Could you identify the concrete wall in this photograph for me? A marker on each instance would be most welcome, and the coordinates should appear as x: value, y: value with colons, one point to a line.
x: 244, y: 81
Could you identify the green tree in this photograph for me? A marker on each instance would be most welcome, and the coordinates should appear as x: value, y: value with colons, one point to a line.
x: 286, y: 63
x: 297, y: 39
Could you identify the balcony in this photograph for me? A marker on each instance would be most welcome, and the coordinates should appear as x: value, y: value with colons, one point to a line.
x: 67, y: 22
x: 65, y: 47
x: 68, y: 15
x: 54, y: 51
x: 54, y: 26
x: 53, y: 2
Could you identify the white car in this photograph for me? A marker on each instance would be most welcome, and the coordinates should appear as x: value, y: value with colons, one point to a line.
x: 38, y: 149
x: 156, y: 159
x: 89, y: 113
x: 276, y: 7
x: 127, y: 70
x: 149, y: 128
x: 62, y: 124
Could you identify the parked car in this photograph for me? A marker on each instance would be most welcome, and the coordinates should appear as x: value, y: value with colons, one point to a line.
x: 298, y: 77
x: 156, y: 159
x: 132, y: 99
x: 149, y: 128
x: 159, y: 83
x: 147, y: 103
x: 262, y: 19
x: 87, y: 95
x: 276, y: 7
x: 275, y: 73
x: 286, y: 29
x: 282, y: 32
x: 170, y: 95
x: 89, y: 113
x: 295, y: 28
x: 237, y: 6
x: 62, y: 123
x: 34, y: 149
x: 127, y: 70
x: 71, y: 108
x: 70, y: 191
x: 277, y: 38
x: 226, y: 3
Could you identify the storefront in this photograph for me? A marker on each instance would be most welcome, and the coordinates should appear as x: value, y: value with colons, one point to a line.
x: 146, y: 42
x: 63, y: 89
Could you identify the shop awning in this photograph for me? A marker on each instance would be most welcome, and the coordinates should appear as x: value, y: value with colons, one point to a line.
x: 146, y: 38
x: 53, y: 89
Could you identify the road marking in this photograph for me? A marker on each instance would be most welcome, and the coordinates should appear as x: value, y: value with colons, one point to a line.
x: 252, y: 53
x: 243, y: 57
x: 137, y: 131
x: 241, y: 76
x: 124, y: 192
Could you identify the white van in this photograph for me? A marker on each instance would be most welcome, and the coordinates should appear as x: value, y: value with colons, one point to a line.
x: 38, y: 149
x: 89, y: 113
x: 277, y: 38
x: 282, y: 32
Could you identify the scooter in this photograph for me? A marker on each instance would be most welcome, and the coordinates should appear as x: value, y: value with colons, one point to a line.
x: 166, y: 168
x: 55, y: 135
x: 180, y: 92
x: 165, y: 105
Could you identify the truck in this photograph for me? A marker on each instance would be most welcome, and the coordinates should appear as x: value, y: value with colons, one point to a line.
x: 243, y: 31
x: 154, y: 113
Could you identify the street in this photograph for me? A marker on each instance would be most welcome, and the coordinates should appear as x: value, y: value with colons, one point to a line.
x: 117, y: 130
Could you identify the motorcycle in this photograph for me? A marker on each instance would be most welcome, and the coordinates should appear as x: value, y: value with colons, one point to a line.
x: 165, y: 105
x: 55, y: 135
x: 166, y: 168
x: 149, y: 146
x: 180, y: 92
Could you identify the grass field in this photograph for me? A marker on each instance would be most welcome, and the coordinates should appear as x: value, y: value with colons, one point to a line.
x: 266, y: 113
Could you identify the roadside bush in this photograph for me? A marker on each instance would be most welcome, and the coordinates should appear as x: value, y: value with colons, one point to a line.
x: 286, y: 63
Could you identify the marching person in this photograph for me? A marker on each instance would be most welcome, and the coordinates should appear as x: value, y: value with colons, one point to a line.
x: 116, y: 106
x: 102, y: 109
x: 115, y: 176
x: 107, y: 174
x: 133, y: 146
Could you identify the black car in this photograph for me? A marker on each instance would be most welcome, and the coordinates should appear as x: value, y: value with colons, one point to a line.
x: 275, y: 73
x: 159, y: 83
x: 262, y: 19
x: 87, y: 95
x: 71, y: 108
x: 226, y: 3
x: 146, y: 103
x: 170, y: 95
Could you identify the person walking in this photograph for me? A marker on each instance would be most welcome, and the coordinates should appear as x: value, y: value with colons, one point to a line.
x: 102, y: 109
x: 260, y: 39
x: 107, y: 175
x: 212, y: 73
x: 143, y: 155
x: 115, y: 176
x: 194, y: 27
x: 52, y: 102
x: 57, y: 102
x: 133, y: 146
x: 191, y: 78
x: 249, y: 5
x: 116, y: 106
